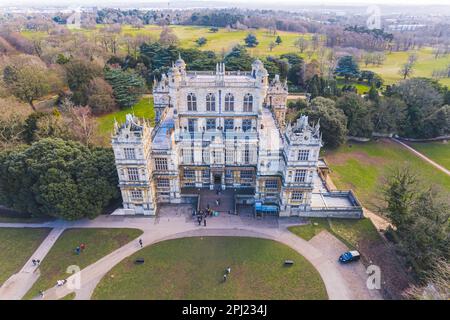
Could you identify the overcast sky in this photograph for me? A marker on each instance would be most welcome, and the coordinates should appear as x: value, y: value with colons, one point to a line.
x: 19, y: 3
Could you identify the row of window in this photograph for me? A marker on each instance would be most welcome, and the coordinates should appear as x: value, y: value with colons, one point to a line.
x: 211, y: 124
x: 211, y: 102
x: 230, y: 156
x: 244, y: 174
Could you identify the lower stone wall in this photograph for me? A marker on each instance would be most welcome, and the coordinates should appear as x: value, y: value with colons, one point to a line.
x: 327, y: 213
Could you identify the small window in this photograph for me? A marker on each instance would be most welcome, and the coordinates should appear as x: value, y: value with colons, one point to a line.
x: 205, y: 174
x: 210, y: 102
x: 210, y: 124
x: 163, y: 183
x: 303, y: 155
x: 161, y: 164
x: 248, y: 103
x: 192, y: 102
x: 229, y: 102
x: 129, y: 153
x: 247, y: 174
x: 300, y: 175
x: 189, y: 174
x: 133, y: 174
x: 136, y: 195
x: 229, y: 124
x: 271, y: 184
x: 297, y: 196
x: 246, y: 124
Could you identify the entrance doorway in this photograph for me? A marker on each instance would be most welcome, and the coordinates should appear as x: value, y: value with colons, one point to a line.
x: 217, y: 178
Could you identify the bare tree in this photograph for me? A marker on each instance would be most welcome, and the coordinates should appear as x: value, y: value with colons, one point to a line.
x: 272, y: 45
x: 437, y: 285
x: 407, y: 69
x: 82, y: 124
x: 302, y: 44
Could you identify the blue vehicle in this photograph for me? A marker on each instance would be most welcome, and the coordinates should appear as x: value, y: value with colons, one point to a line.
x: 349, y: 256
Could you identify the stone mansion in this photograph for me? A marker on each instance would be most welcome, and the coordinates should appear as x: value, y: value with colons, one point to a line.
x: 224, y: 131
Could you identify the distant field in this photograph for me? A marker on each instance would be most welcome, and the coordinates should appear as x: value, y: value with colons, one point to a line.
x: 436, y: 151
x: 424, y: 67
x: 225, y: 39
x: 363, y: 167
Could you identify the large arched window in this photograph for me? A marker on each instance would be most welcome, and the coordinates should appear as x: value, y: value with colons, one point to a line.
x: 229, y: 102
x: 192, y: 102
x: 210, y: 102
x: 248, y: 102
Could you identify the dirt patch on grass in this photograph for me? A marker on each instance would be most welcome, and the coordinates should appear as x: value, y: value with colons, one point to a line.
x: 341, y: 158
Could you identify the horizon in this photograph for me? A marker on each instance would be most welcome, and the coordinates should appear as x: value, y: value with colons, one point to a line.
x: 221, y: 3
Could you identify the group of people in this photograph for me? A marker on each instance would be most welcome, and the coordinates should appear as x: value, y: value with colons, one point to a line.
x: 36, y: 262
x: 227, y: 272
x: 80, y: 248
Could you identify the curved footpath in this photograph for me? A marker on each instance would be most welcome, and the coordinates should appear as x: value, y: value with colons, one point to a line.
x: 340, y: 281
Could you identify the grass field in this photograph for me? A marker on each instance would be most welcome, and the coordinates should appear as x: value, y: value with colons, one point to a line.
x: 362, y: 88
x: 363, y: 167
x: 349, y: 231
x: 424, y: 66
x: 99, y: 243
x: 436, y: 151
x: 193, y: 268
x: 142, y: 109
x: 16, y: 247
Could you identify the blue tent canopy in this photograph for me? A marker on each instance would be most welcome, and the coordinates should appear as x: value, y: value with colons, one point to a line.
x: 259, y: 207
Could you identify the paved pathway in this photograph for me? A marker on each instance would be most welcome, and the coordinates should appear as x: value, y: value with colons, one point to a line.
x: 18, y: 284
x: 417, y: 153
x: 175, y: 225
x: 170, y: 227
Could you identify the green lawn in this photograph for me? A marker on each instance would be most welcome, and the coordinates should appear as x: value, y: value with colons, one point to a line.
x: 424, y: 66
x: 349, y: 231
x: 142, y: 109
x: 70, y: 296
x: 16, y: 247
x: 436, y: 151
x: 363, y: 167
x: 193, y: 268
x: 224, y: 39
x: 99, y: 243
x: 362, y: 88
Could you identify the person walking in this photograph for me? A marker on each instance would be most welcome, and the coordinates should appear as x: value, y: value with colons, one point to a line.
x: 204, y: 222
x: 77, y: 250
x: 140, y: 243
x: 34, y: 262
x: 224, y: 277
x: 228, y: 270
x: 41, y: 293
x: 38, y: 262
x: 82, y: 246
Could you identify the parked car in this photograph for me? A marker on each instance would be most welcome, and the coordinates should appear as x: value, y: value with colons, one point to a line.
x: 349, y: 256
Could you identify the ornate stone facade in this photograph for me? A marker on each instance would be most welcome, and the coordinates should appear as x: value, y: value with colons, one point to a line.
x: 218, y: 130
